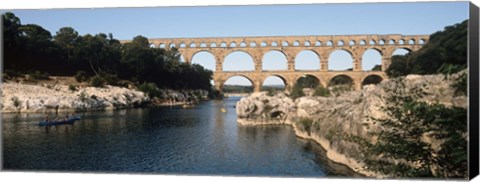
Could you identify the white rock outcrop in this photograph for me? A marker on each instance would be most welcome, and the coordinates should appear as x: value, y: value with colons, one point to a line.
x: 35, y: 98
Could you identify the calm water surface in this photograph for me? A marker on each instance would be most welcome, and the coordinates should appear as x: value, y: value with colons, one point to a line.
x: 166, y: 140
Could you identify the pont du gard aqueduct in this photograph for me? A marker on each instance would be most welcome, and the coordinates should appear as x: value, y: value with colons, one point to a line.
x: 290, y: 46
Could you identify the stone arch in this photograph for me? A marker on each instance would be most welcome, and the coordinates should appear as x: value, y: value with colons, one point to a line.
x: 391, y: 42
x: 371, y: 42
x: 307, y: 43
x: 284, y: 43
x: 329, y: 43
x: 401, y: 42
x: 239, y: 80
x: 335, y: 81
x: 341, y: 83
x: 363, y: 42
x: 307, y: 60
x: 223, y: 44
x: 162, y: 45
x: 213, y: 44
x: 296, y: 43
x: 203, y: 44
x: 318, y: 43
x: 233, y: 44
x: 308, y: 81
x: 274, y: 60
x: 152, y: 45
x: 274, y: 44
x: 372, y: 60
x: 381, y: 42
x: 340, y: 43
x: 253, y: 44
x: 243, y: 44
x: 411, y: 41
x: 192, y: 44
x: 271, y: 83
x: 172, y: 45
x: 183, y: 45
x: 421, y: 41
x: 263, y: 44
x: 372, y: 79
x: 338, y: 60
x: 233, y: 61
x: 351, y: 43
x: 204, y: 58
x: 401, y: 51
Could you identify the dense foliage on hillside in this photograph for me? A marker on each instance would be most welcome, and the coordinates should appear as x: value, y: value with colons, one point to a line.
x: 445, y: 52
x: 100, y: 58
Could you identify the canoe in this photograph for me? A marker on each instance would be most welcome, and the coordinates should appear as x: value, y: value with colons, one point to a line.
x: 186, y: 106
x: 61, y: 122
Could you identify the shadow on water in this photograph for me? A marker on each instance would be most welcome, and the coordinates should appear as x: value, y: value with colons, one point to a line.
x: 201, y: 140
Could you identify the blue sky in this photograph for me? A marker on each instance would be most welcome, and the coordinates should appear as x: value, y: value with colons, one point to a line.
x: 276, y: 20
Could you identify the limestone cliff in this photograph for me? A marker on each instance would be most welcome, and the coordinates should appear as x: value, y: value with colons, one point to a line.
x: 329, y: 120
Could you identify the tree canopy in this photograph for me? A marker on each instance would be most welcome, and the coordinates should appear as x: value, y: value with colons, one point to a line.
x: 31, y: 48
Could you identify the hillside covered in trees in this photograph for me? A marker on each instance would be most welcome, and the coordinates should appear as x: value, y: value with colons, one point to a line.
x: 445, y: 52
x: 31, y: 49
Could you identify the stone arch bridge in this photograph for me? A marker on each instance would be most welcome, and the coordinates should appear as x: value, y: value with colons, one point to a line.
x: 290, y: 46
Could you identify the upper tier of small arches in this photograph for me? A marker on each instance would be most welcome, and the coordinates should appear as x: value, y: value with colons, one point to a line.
x: 289, y: 41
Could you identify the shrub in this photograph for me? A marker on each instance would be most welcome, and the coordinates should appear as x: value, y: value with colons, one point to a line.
x: 460, y: 85
x: 97, y: 81
x: 149, y: 88
x: 339, y: 89
x: 12, y: 74
x: 37, y: 75
x: 321, y: 91
x: 215, y: 94
x: 271, y: 92
x: 110, y: 79
x: 83, y: 96
x: 16, y: 101
x: 72, y: 88
x: 81, y: 76
x: 297, y: 92
x: 306, y: 123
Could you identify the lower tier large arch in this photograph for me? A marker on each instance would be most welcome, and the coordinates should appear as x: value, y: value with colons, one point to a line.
x: 290, y: 77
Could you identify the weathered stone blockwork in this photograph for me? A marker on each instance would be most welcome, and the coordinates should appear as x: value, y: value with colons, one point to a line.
x: 290, y: 46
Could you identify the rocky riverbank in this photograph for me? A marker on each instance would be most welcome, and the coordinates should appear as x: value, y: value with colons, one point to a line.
x: 19, y: 97
x: 329, y: 120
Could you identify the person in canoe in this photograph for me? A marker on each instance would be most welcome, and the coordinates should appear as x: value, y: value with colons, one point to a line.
x: 46, y: 119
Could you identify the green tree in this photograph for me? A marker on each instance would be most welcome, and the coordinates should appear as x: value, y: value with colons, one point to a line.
x: 11, y: 41
x: 39, y: 51
x: 32, y: 49
x: 321, y: 91
x: 377, y: 67
x: 401, y: 149
x: 297, y: 91
x: 307, y: 81
x: 67, y: 38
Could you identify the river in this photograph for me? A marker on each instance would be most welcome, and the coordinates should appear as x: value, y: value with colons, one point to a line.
x: 166, y: 140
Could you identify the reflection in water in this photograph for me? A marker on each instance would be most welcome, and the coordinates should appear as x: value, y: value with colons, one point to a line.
x: 200, y: 140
